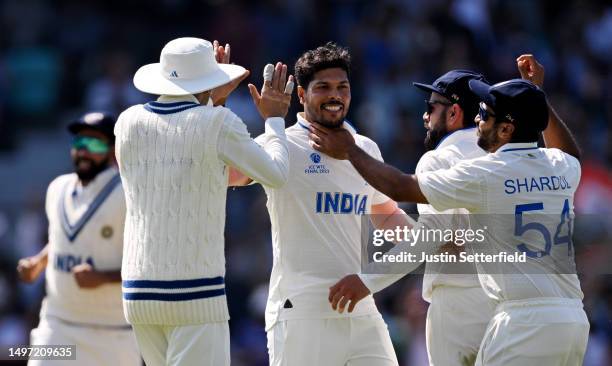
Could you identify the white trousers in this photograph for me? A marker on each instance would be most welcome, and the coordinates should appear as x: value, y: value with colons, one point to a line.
x: 356, y: 341
x: 547, y: 331
x: 95, y: 346
x: 200, y: 344
x: 457, y: 319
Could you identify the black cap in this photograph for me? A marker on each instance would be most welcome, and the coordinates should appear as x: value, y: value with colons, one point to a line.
x: 517, y: 101
x: 98, y: 121
x: 454, y: 86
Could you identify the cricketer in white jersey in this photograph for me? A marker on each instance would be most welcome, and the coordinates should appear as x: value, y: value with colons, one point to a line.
x: 316, y: 222
x: 86, y: 213
x: 457, y: 302
x: 525, y: 195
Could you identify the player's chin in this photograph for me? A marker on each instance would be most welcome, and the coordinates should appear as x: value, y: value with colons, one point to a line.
x: 333, y: 121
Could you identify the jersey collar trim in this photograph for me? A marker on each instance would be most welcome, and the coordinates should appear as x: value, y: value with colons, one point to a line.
x: 519, y: 146
x: 167, y: 104
x: 303, y: 123
x: 72, y: 231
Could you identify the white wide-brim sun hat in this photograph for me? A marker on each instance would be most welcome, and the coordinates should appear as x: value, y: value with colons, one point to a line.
x: 187, y: 66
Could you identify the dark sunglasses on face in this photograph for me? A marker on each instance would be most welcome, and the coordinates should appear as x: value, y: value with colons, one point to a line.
x: 430, y: 104
x: 92, y: 144
x: 483, y: 113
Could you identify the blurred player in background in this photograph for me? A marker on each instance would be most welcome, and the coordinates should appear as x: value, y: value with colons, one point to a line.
x: 316, y: 229
x: 173, y: 155
x: 86, y: 213
x: 539, y: 317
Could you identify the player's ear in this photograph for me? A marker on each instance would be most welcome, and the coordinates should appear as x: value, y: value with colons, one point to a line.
x: 455, y: 116
x: 505, y: 131
x: 300, y: 92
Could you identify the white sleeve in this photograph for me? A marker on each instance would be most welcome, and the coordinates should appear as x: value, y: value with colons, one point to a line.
x: 378, y: 276
x: 461, y: 186
x: 374, y: 151
x: 379, y: 281
x: 267, y: 164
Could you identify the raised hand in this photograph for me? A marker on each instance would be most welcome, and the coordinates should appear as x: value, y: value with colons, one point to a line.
x: 222, y: 55
x: 28, y: 269
x: 275, y: 96
x: 531, y: 69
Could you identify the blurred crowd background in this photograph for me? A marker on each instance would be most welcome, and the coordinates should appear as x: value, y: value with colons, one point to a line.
x: 61, y: 58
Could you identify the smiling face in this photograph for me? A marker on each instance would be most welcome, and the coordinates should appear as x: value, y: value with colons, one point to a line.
x: 327, y: 97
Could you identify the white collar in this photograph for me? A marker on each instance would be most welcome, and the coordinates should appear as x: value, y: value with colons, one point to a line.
x: 518, y: 146
x: 303, y: 123
x: 458, y: 135
x: 178, y: 98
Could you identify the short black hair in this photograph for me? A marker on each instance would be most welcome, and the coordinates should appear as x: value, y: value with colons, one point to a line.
x: 324, y: 57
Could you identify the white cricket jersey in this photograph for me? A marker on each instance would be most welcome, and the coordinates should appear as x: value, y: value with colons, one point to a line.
x: 85, y: 226
x: 454, y: 147
x: 523, y: 196
x: 316, y: 228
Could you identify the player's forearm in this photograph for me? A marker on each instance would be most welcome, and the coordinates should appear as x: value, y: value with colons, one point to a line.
x: 557, y: 135
x: 378, y: 275
x: 110, y: 276
x: 267, y: 164
x: 385, y: 178
x: 392, y: 221
x: 43, y: 255
x: 377, y: 282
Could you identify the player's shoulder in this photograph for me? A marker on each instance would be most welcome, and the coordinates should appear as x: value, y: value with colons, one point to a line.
x: 481, y: 165
x: 367, y: 144
x: 560, y: 156
x: 127, y: 120
x: 59, y: 183
x: 443, y: 158
x: 430, y: 161
x: 60, y: 180
x: 129, y: 112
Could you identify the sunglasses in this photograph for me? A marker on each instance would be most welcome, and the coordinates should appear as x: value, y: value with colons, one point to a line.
x: 483, y: 113
x: 92, y: 144
x: 432, y: 103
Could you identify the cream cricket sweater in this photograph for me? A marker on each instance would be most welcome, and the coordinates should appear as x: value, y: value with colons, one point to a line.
x: 172, y: 157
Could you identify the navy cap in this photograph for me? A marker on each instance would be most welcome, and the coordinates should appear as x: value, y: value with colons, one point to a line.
x: 98, y: 121
x: 517, y: 101
x: 454, y: 86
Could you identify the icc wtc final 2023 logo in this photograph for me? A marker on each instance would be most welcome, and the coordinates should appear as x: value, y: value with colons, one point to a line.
x: 317, y: 167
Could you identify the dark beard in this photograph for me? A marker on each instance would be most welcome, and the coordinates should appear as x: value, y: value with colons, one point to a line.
x: 487, y: 141
x: 87, y: 175
x: 434, y: 136
x: 331, y: 124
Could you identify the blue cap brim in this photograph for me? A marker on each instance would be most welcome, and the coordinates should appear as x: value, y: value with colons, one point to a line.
x: 481, y: 89
x: 428, y: 88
